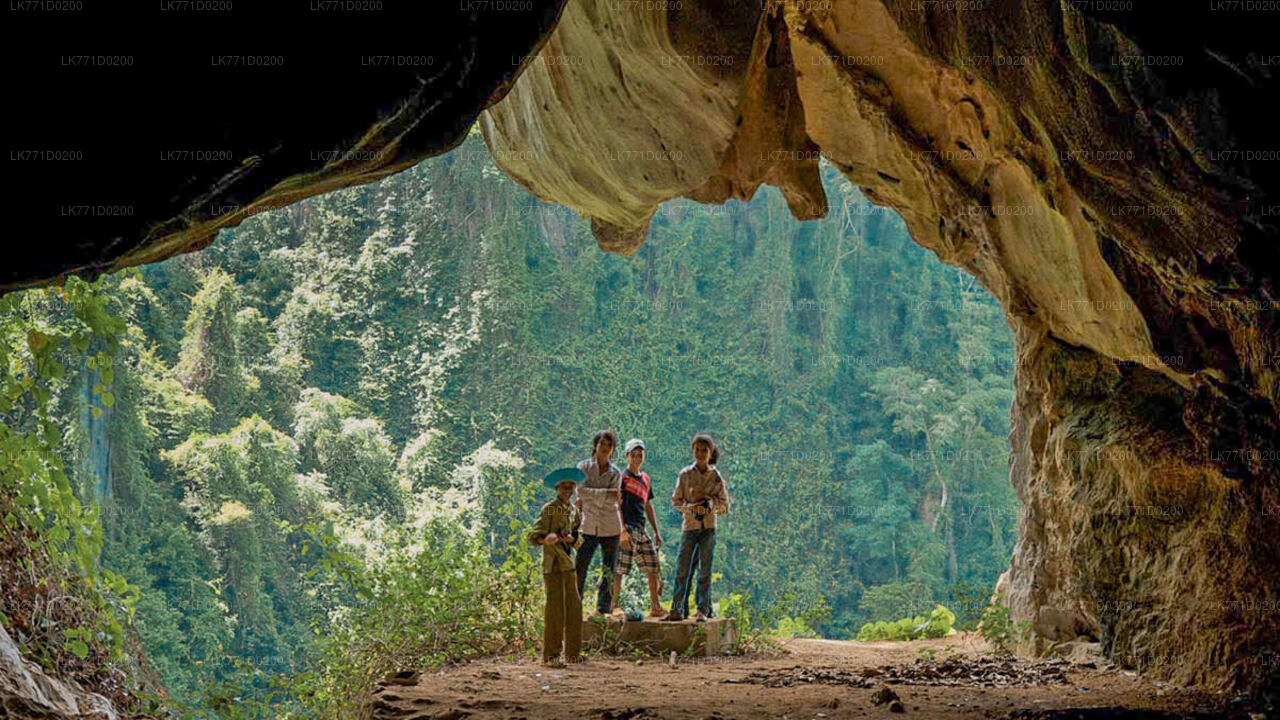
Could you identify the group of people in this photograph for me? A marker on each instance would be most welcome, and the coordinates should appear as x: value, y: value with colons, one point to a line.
x: 597, y: 505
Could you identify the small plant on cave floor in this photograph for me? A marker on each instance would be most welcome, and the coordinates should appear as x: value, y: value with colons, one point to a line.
x: 998, y: 628
x: 931, y: 654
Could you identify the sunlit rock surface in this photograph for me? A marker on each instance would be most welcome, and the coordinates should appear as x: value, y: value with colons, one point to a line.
x: 27, y: 692
x: 1091, y: 185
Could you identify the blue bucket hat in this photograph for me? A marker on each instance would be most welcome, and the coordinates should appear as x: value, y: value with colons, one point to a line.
x: 555, y: 477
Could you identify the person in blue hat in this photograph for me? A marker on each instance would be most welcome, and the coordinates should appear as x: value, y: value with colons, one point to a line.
x: 557, y: 532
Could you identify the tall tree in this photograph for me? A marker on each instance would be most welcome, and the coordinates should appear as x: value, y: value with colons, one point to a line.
x: 209, y: 362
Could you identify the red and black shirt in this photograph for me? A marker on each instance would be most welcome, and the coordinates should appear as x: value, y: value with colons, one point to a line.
x: 636, y: 491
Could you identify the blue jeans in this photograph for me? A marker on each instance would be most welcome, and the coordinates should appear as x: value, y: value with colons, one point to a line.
x: 696, y: 550
x: 609, y: 562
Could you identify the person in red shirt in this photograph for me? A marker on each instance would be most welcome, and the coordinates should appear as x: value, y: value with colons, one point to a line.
x: 634, y: 500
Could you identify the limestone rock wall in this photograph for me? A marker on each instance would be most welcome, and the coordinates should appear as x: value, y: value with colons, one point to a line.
x: 1131, y: 533
x: 1047, y: 153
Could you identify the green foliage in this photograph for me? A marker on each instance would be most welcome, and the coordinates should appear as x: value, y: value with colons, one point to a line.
x: 420, y: 464
x: 352, y: 451
x: 238, y: 486
x: 737, y: 606
x: 789, y: 627
x: 892, y: 599
x: 168, y: 409
x: 969, y: 601
x: 761, y: 628
x: 999, y: 629
x: 209, y: 363
x: 79, y: 606
x: 940, y: 623
x: 435, y: 596
x: 937, y: 624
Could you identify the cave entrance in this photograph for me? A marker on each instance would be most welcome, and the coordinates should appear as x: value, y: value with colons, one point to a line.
x: 307, y: 412
x: 860, y: 389
x: 427, y: 346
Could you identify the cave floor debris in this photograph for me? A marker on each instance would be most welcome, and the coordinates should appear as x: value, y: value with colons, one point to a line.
x: 811, y: 679
x: 977, y: 671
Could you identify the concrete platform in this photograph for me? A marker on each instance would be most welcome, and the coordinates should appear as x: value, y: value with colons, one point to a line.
x: 713, y: 637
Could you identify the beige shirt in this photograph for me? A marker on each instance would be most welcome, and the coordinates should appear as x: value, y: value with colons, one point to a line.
x: 692, y: 487
x: 599, y: 493
x: 561, y: 518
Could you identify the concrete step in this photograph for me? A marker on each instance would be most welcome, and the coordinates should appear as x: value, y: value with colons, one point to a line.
x: 615, y: 635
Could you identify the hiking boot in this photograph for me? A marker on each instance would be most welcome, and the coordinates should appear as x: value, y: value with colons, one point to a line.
x: 700, y: 617
x: 673, y: 616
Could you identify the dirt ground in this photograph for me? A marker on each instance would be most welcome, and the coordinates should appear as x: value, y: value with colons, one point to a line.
x: 720, y: 688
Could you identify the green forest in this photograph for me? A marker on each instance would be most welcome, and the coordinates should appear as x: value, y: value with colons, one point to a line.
x: 277, y: 468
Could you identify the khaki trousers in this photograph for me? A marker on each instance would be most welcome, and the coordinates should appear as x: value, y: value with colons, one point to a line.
x: 562, y: 621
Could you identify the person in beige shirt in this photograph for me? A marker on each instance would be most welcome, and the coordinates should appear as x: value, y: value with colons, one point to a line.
x: 601, y: 519
x: 700, y: 496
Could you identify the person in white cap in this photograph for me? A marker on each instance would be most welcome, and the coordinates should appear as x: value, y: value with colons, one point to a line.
x: 635, y: 501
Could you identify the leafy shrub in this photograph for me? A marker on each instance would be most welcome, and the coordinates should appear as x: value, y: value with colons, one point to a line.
x: 937, y: 624
x: 998, y: 628
x: 438, y: 595
x: 760, y: 628
x: 737, y: 607
x: 789, y: 627
x: 62, y: 609
x: 940, y: 622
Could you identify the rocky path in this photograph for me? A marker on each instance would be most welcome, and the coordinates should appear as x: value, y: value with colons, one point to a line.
x: 810, y: 679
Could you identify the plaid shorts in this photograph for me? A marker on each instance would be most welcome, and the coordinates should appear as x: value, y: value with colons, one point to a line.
x: 642, y: 549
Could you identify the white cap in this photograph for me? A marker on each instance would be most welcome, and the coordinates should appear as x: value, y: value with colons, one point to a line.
x: 632, y: 444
